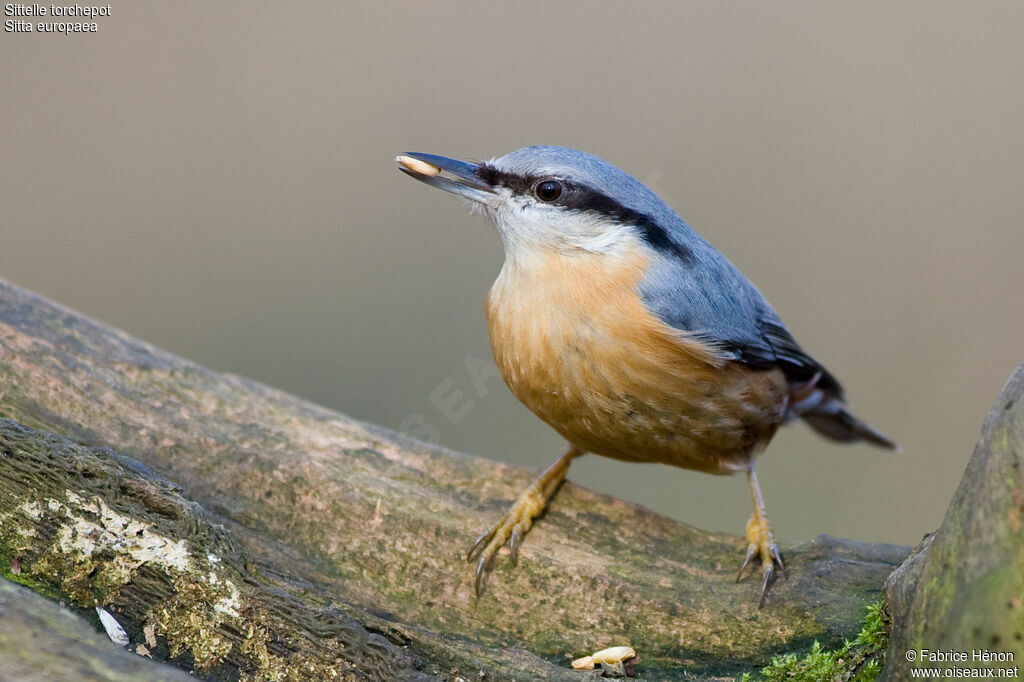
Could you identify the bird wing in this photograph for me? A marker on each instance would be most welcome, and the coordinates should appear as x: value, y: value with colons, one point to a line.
x: 709, y: 299
x: 786, y: 354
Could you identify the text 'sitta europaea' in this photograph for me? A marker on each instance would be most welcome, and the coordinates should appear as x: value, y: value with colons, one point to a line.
x: 622, y: 328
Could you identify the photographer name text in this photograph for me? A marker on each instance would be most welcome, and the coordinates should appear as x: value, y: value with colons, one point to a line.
x: 950, y: 656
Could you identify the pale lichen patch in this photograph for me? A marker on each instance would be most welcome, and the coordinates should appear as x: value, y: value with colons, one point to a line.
x: 32, y: 509
x: 228, y: 605
x: 132, y: 542
x: 12, y: 524
x: 94, y: 551
x: 91, y: 550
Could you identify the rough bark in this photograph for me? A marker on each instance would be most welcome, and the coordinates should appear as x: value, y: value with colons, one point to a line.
x: 962, y: 589
x: 99, y: 529
x: 257, y: 535
x: 41, y: 640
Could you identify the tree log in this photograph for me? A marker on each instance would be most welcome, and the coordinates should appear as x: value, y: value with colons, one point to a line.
x: 242, y: 533
x: 962, y: 589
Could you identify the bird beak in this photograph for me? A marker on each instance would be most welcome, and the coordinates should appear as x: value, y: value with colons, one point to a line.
x: 457, y: 177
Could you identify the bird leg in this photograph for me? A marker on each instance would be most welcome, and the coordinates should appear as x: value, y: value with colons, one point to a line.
x: 514, y: 526
x: 760, y: 539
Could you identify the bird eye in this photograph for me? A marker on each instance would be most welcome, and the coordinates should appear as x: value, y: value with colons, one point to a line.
x: 549, y: 190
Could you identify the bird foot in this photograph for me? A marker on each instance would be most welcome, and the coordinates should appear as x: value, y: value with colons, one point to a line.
x: 761, y: 542
x: 510, y: 530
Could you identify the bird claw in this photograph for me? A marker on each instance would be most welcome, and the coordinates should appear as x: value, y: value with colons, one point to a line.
x: 511, y: 530
x: 481, y: 541
x: 777, y: 558
x: 515, y: 542
x: 768, y: 573
x: 761, y: 542
x: 751, y: 552
x: 483, y: 572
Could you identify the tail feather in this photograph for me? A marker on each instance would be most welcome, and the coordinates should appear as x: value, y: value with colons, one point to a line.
x: 831, y: 419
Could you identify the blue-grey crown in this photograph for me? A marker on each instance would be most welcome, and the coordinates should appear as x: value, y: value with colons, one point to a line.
x: 595, y: 185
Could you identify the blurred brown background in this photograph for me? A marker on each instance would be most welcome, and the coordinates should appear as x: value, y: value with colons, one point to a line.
x: 217, y: 178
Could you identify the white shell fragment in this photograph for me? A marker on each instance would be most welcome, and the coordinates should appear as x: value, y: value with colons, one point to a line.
x: 611, y: 658
x: 114, y: 630
x: 417, y: 166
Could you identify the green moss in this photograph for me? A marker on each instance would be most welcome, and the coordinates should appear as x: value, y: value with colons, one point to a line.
x: 24, y: 579
x: 13, y: 533
x: 875, y: 631
x: 860, y: 660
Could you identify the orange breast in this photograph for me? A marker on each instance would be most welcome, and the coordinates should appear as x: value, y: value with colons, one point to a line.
x: 576, y: 345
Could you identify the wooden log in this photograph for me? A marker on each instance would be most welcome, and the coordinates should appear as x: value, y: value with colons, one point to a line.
x: 962, y: 590
x: 354, y: 536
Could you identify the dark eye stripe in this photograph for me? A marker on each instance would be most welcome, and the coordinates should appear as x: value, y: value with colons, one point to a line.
x: 519, y: 184
x: 583, y: 198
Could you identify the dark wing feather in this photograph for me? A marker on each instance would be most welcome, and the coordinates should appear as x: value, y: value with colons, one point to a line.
x: 795, y: 362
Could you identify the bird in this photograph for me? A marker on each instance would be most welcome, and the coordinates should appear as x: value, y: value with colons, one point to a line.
x: 629, y: 334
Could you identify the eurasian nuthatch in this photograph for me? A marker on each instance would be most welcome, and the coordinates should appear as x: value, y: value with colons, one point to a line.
x: 622, y: 328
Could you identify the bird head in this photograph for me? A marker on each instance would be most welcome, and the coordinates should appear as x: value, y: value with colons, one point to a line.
x: 553, y: 198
